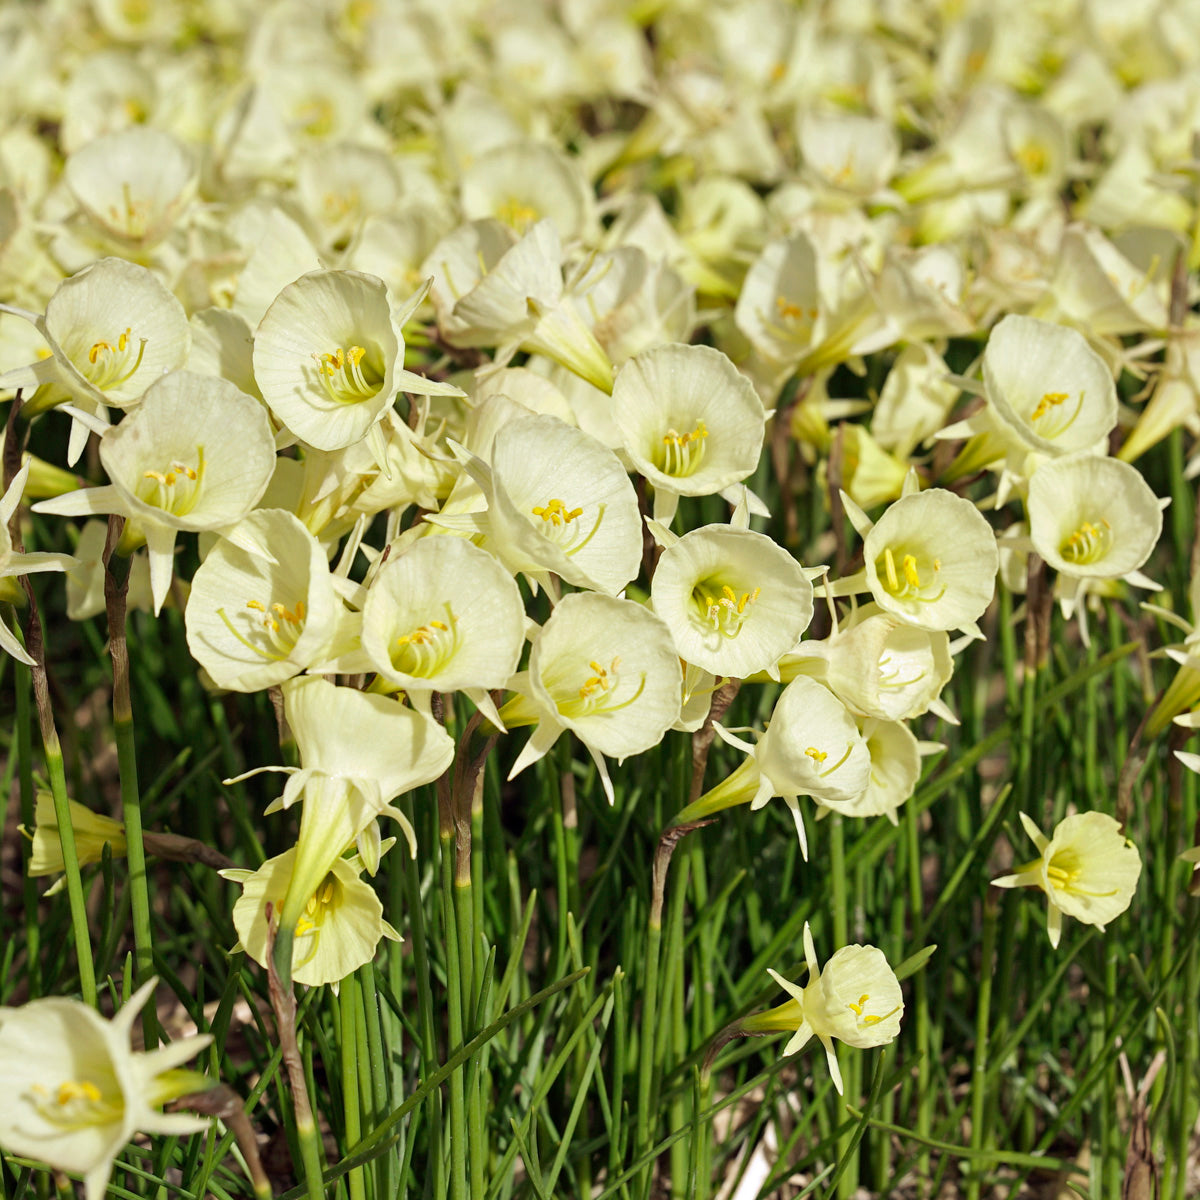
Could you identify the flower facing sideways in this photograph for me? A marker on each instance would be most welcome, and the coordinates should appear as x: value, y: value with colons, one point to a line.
x: 339, y: 929
x: 1088, y: 870
x: 75, y: 1093
x: 855, y: 999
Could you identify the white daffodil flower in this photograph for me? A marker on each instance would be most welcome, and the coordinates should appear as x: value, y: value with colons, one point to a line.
x: 895, y: 769
x: 196, y: 454
x: 1093, y: 518
x: 879, y: 667
x: 329, y: 358
x: 855, y: 999
x: 1089, y: 870
x: 444, y: 616
x: 604, y: 669
x: 811, y: 747
x: 14, y: 564
x: 558, y: 503
x: 113, y: 330
x: 491, y: 289
x: 339, y: 930
x: 264, y: 609
x: 691, y: 424
x: 1046, y: 388
x: 930, y: 559
x: 132, y: 185
x: 74, y: 1091
x: 358, y: 752
x: 734, y: 600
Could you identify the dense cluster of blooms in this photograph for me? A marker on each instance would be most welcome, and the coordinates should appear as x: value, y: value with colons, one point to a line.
x: 398, y: 315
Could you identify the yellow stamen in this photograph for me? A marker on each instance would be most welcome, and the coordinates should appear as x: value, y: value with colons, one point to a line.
x: 1047, y: 402
x: 682, y: 453
x: 818, y: 756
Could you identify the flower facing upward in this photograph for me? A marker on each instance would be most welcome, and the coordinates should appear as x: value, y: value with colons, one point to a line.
x: 75, y: 1093
x: 855, y: 999
x: 1088, y: 870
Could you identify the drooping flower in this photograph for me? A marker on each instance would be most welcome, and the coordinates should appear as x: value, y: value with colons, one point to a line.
x: 358, y: 752
x: 856, y: 999
x: 75, y: 1093
x: 338, y: 931
x: 1089, y: 870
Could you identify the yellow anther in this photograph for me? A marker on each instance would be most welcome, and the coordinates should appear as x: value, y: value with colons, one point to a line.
x: 557, y: 513
x: 257, y: 605
x: 1048, y: 401
x: 789, y: 312
x: 516, y: 213
x: 77, y: 1090
x: 345, y: 374
x: 818, y: 756
x: 97, y: 349
x: 862, y: 1003
x: 911, y: 575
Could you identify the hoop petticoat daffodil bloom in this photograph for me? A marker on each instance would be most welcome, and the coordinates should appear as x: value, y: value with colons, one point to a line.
x: 75, y: 1093
x: 14, y: 564
x: 112, y: 329
x: 855, y: 999
x: 195, y: 455
x: 338, y: 931
x: 329, y: 358
x: 878, y: 666
x: 604, y: 669
x: 691, y: 424
x: 1047, y: 388
x: 734, y: 600
x: 558, y: 503
x: 930, y: 559
x: 1094, y: 518
x: 358, y: 752
x: 444, y: 616
x: 811, y: 747
x: 1089, y: 870
x: 264, y: 609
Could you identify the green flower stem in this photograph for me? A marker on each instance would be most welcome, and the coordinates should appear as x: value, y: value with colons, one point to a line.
x: 56, y: 774
x: 920, y: 992
x: 426, y: 1029
x: 347, y: 1005
x: 377, y: 1057
x: 979, y: 1091
x: 847, y: 1144
x: 454, y: 1017
x: 646, y: 1041
x: 24, y: 762
x: 116, y: 589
